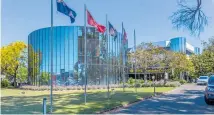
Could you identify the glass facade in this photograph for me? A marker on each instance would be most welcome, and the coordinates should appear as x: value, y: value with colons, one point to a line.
x: 197, y: 50
x: 178, y: 44
x: 105, y: 57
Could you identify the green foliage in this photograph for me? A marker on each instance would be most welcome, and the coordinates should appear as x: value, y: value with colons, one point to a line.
x: 154, y: 59
x: 183, y: 81
x: 131, y: 82
x: 5, y: 83
x: 22, y: 74
x: 138, y: 84
x: 175, y: 79
x: 13, y: 57
x: 149, y: 81
x: 204, y: 63
x: 141, y: 81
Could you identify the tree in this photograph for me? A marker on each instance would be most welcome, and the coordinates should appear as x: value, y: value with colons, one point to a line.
x: 12, y: 57
x: 181, y: 63
x: 150, y: 58
x: 22, y: 74
x: 209, y: 46
x: 189, y: 17
x: 142, y: 57
x: 204, y: 63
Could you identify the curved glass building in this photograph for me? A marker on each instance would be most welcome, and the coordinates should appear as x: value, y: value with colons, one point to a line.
x: 178, y: 44
x: 105, y: 57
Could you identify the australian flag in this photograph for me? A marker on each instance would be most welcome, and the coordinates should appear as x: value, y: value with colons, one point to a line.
x: 112, y: 31
x: 63, y: 8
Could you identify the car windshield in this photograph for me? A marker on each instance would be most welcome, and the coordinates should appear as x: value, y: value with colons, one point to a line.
x: 211, y: 80
x: 203, y: 77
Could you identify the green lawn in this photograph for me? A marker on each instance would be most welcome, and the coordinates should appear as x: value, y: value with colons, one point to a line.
x: 13, y: 101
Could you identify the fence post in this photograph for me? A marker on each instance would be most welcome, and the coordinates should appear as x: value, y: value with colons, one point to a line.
x: 44, y: 106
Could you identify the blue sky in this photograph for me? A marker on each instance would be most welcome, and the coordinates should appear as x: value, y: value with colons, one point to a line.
x: 150, y: 18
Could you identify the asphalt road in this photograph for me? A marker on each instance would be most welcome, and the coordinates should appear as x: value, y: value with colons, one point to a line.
x: 187, y: 99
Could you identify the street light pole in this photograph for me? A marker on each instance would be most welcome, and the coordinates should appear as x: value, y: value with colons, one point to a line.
x: 153, y: 77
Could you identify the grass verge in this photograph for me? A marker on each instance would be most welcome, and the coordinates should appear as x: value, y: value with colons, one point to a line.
x: 16, y: 101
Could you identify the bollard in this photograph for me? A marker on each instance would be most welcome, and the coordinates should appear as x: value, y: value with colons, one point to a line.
x: 44, y: 106
x: 154, y: 90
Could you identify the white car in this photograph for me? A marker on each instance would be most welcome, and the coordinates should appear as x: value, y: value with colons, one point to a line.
x: 202, y: 80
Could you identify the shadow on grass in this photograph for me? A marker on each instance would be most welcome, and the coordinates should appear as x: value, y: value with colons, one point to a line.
x: 69, y: 103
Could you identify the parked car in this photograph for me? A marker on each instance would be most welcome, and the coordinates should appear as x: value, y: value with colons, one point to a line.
x: 202, y: 80
x: 209, y: 91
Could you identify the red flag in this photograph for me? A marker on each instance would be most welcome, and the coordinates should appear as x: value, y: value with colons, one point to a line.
x: 92, y: 22
x: 124, y: 36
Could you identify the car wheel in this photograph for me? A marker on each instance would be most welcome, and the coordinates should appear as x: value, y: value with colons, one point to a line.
x: 207, y: 101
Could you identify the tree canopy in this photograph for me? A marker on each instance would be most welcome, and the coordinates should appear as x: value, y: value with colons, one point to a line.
x: 149, y: 57
x: 204, y: 63
x: 13, y: 59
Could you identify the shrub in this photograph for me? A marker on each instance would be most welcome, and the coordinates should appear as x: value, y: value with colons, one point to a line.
x: 79, y: 88
x: 182, y: 81
x: 94, y: 87
x: 126, y: 85
x: 5, y: 83
x: 99, y: 87
x: 149, y: 81
x: 173, y: 84
x: 175, y: 79
x: 131, y: 82
x: 160, y: 83
x: 70, y: 88
x: 104, y: 87
x: 146, y: 84
x: 141, y: 82
x: 138, y: 85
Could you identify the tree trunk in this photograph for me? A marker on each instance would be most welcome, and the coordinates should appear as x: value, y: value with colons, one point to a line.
x: 29, y: 81
x: 145, y: 77
x: 173, y: 74
x: 181, y: 75
x: 15, y: 83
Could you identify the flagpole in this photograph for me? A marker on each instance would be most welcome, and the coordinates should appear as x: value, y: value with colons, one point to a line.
x: 112, y: 58
x: 107, y: 32
x: 51, y: 42
x: 123, y: 58
x: 135, y: 62
x: 115, y: 60
x: 85, y: 58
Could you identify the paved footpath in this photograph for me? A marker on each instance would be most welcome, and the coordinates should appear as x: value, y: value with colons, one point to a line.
x: 187, y: 99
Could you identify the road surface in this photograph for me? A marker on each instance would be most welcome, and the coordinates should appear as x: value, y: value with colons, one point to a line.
x: 187, y: 99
